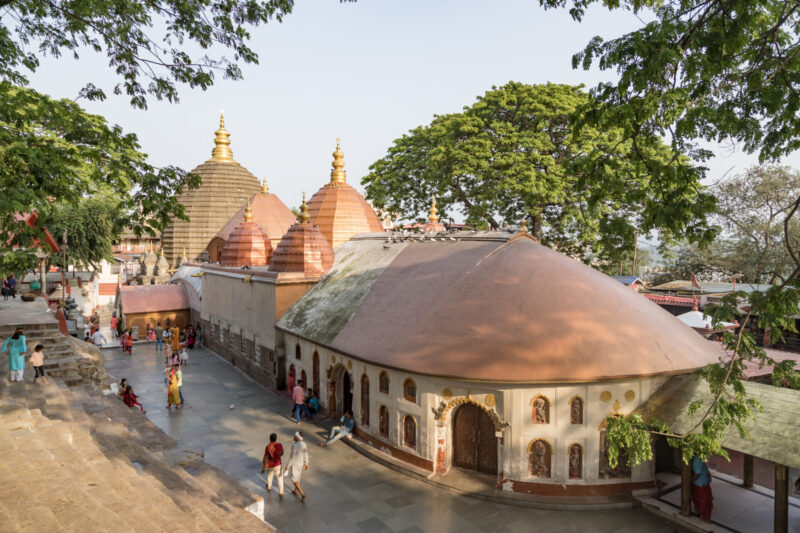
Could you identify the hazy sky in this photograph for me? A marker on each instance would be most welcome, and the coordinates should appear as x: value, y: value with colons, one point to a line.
x: 366, y: 72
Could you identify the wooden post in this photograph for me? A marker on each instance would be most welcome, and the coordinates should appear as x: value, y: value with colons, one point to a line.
x: 686, y: 489
x: 781, y: 519
x: 747, y: 471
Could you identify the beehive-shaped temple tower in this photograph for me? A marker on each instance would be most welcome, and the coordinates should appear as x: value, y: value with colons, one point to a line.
x: 303, y: 249
x: 267, y: 210
x: 247, y: 245
x: 226, y: 187
x: 338, y: 210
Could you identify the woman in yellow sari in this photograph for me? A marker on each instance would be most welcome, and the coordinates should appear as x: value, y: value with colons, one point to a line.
x: 173, y: 394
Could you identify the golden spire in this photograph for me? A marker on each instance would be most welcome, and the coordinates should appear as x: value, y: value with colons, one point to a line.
x: 433, y: 218
x: 523, y: 226
x: 184, y: 252
x: 248, y: 213
x: 222, y: 143
x: 162, y: 252
x: 264, y: 188
x: 304, y: 218
x: 338, y: 174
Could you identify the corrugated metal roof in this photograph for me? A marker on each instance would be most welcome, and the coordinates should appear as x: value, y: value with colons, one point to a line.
x: 706, y: 287
x: 626, y: 280
x: 773, y: 433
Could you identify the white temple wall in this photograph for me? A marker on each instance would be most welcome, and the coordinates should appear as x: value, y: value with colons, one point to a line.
x: 512, y: 403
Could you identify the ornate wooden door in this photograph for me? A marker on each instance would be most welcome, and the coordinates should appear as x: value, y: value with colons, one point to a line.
x: 465, y: 445
x: 487, y: 444
x: 474, y: 442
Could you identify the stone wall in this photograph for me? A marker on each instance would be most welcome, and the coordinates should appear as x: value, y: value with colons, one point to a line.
x: 238, y: 321
x: 510, y: 407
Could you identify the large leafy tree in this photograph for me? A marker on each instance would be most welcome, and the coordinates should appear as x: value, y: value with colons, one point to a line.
x: 52, y: 149
x: 516, y: 153
x: 152, y: 46
x: 759, y: 238
x: 87, y: 230
x: 719, y: 71
x: 53, y: 153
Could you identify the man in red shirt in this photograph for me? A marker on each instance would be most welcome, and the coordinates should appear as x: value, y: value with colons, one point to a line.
x: 272, y: 462
x: 299, y: 396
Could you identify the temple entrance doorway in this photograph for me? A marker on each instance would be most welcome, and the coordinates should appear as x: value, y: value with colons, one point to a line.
x: 341, y: 392
x: 347, y: 393
x: 474, y: 440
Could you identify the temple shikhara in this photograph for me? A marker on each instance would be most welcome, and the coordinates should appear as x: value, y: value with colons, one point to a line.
x: 483, y: 351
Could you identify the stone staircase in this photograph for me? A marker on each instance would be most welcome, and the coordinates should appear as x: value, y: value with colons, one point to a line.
x: 57, y: 348
x: 75, y: 459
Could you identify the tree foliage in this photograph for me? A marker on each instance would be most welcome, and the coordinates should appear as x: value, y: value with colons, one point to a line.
x: 720, y: 71
x: 52, y: 149
x: 516, y: 153
x: 147, y: 43
x: 91, y: 227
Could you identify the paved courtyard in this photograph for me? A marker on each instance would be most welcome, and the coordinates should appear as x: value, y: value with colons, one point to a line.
x: 231, y: 416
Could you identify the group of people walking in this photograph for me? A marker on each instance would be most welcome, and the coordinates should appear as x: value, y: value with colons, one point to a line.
x: 306, y: 403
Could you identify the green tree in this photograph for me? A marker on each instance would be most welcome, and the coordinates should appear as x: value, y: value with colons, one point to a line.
x: 515, y: 154
x: 91, y: 227
x: 752, y: 210
x: 52, y: 148
x: 720, y: 71
x: 147, y: 43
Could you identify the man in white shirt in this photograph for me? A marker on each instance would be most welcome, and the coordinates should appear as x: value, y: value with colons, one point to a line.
x: 98, y: 338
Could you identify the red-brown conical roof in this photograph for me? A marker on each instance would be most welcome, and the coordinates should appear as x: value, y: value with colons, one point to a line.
x: 268, y: 211
x: 339, y: 210
x: 248, y: 244
x: 303, y: 248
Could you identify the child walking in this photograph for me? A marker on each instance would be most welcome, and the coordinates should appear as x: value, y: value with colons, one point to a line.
x: 37, y: 362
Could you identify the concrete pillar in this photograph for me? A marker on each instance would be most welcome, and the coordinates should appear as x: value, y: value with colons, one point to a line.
x: 686, y: 489
x: 44, y: 276
x: 781, y: 520
x: 747, y: 471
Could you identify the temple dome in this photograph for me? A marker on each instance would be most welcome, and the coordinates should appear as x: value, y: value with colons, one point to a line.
x: 225, y: 188
x: 247, y: 245
x: 268, y: 211
x: 303, y: 248
x: 339, y: 210
x: 490, y: 307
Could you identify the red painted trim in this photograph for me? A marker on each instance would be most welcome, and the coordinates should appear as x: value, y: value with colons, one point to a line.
x: 558, y: 489
x: 397, y: 453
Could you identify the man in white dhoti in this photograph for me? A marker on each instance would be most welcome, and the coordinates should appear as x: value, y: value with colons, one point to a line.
x: 298, y: 462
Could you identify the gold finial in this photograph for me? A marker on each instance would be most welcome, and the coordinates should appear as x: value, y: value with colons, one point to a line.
x: 304, y: 218
x: 523, y: 226
x: 222, y: 143
x: 162, y: 252
x: 264, y: 188
x: 338, y: 174
x: 184, y: 252
x: 433, y: 218
x: 248, y: 213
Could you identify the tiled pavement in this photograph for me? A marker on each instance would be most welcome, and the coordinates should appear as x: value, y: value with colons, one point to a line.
x: 346, y: 491
x: 735, y: 508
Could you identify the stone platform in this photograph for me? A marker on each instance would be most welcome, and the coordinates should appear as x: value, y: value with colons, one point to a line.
x: 75, y: 459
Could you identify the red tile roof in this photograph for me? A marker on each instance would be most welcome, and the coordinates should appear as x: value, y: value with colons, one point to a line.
x: 671, y: 300
x: 152, y: 298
